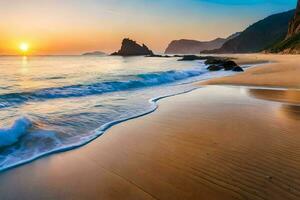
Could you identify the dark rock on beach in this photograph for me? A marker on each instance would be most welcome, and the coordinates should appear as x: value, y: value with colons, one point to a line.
x: 131, y: 48
x: 190, y: 58
x: 194, y: 57
x: 215, y: 61
x: 217, y: 64
x: 158, y: 56
x: 177, y: 56
x: 237, y: 69
x: 229, y: 65
x: 214, y: 68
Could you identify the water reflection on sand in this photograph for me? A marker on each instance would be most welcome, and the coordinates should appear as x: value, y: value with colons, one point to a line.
x: 289, y: 99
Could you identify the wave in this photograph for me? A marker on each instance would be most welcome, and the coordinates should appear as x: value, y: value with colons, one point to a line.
x: 80, y: 90
x: 9, y: 136
x: 58, y: 145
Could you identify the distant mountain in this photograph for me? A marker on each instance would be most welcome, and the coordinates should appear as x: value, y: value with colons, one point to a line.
x: 184, y: 46
x: 291, y: 44
x: 258, y: 36
x: 131, y: 48
x: 94, y: 53
x: 233, y: 36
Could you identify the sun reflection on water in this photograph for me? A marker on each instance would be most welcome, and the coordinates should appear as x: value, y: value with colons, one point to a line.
x: 24, y: 67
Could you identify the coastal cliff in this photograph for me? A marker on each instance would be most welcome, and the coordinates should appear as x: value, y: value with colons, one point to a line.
x: 294, y: 25
x: 131, y: 48
x: 291, y: 43
x: 259, y: 36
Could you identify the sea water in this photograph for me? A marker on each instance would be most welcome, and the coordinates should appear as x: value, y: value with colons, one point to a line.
x: 50, y: 104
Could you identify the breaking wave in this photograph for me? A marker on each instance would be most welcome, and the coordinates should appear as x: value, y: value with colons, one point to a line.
x: 80, y: 90
x: 11, y: 135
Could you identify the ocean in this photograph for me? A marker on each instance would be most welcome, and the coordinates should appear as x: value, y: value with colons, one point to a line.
x: 50, y: 104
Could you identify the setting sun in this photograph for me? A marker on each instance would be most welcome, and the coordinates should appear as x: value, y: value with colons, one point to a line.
x: 24, y: 47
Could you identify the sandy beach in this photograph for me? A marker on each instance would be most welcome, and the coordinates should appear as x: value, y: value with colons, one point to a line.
x: 150, y: 100
x: 217, y: 142
x: 281, y: 71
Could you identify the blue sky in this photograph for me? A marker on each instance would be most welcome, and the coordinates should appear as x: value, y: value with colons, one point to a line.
x: 74, y: 26
x: 249, y: 2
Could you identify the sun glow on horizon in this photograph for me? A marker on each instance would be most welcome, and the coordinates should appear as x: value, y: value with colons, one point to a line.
x: 24, y: 47
x: 72, y: 27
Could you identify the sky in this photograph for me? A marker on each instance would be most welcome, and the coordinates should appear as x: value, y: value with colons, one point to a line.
x: 77, y: 26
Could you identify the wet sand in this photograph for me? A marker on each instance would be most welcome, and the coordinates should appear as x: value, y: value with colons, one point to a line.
x: 213, y: 143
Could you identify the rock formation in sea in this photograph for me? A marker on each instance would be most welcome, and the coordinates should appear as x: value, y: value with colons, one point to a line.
x: 259, y: 36
x: 131, y: 48
x: 185, y: 46
x: 215, y: 63
x: 94, y: 53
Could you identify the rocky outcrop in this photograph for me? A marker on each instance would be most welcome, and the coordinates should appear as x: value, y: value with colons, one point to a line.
x: 229, y: 65
x: 131, y: 48
x: 291, y: 43
x: 185, y: 46
x: 214, y: 68
x: 259, y: 36
x: 158, y: 56
x: 237, y: 69
x: 294, y: 25
x: 215, y: 63
x: 190, y: 57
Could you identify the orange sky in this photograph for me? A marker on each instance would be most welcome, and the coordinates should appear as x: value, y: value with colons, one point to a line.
x: 73, y: 26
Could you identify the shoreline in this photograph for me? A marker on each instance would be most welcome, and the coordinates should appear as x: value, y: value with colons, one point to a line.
x: 172, y: 153
x: 100, y: 131
x: 106, y: 127
x: 212, y: 142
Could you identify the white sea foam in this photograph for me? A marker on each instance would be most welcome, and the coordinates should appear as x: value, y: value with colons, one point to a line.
x: 9, y: 136
x: 13, y: 160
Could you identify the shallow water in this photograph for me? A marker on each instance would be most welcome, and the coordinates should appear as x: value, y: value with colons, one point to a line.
x: 55, y: 103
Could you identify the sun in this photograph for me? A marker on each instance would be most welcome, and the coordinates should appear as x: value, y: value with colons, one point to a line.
x: 24, y: 47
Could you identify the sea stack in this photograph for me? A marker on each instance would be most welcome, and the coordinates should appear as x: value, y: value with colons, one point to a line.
x: 131, y: 48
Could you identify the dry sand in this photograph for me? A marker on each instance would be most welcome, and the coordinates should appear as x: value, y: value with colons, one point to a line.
x: 282, y: 71
x: 213, y: 143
